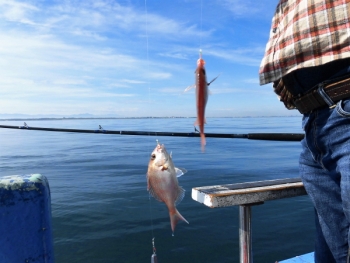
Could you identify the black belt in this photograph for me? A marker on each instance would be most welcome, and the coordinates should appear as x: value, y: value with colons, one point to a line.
x: 325, y: 94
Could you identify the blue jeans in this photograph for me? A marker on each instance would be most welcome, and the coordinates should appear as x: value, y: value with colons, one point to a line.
x: 325, y: 172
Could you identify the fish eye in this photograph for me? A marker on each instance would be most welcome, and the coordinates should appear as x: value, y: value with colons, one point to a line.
x: 153, y: 156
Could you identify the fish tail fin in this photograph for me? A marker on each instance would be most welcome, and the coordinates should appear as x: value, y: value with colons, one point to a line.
x: 203, y: 141
x: 175, y: 217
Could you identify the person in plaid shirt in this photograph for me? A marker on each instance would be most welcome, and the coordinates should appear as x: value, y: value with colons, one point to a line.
x: 307, y: 59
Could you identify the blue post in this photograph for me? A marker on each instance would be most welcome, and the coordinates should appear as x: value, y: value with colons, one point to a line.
x: 25, y: 219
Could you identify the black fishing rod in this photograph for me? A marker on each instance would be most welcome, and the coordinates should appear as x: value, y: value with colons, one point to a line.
x: 251, y: 136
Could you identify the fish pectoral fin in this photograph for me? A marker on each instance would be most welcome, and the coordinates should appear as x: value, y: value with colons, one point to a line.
x: 190, y: 87
x: 180, y: 171
x: 147, y: 182
x: 154, y: 194
x: 180, y: 195
x: 213, y: 79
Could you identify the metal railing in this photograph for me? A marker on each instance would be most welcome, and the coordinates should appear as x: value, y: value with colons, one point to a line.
x: 246, y: 195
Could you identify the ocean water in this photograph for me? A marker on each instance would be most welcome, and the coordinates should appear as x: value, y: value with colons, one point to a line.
x: 102, y: 212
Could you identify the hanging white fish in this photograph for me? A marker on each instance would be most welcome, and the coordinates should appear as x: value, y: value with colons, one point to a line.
x: 162, y: 182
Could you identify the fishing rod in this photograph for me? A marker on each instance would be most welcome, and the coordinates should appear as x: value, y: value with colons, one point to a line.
x: 251, y: 136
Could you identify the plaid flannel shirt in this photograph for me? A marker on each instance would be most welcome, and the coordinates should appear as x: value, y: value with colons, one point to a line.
x: 305, y: 33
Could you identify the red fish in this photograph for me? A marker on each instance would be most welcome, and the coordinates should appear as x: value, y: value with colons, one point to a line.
x: 201, y: 96
x: 162, y: 182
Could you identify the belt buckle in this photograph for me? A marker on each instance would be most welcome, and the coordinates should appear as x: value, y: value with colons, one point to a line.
x: 331, y: 104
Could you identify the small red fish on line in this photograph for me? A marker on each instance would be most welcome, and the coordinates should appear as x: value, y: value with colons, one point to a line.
x: 162, y: 182
x: 202, y: 92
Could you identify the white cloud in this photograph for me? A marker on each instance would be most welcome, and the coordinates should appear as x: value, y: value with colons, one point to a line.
x: 17, y: 11
x: 177, y: 55
x: 244, y: 56
x: 243, y: 8
x: 22, y: 49
x: 133, y: 81
x: 160, y: 75
x: 96, y: 19
x: 71, y: 81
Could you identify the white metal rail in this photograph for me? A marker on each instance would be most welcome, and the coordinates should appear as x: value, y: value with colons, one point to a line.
x: 247, y: 195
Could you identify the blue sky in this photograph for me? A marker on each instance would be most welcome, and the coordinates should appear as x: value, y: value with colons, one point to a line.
x: 133, y: 58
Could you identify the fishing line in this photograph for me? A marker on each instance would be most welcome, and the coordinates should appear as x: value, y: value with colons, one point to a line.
x: 154, y: 255
x: 201, y: 26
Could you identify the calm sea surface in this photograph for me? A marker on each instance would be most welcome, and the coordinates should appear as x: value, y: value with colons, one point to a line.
x: 101, y: 209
